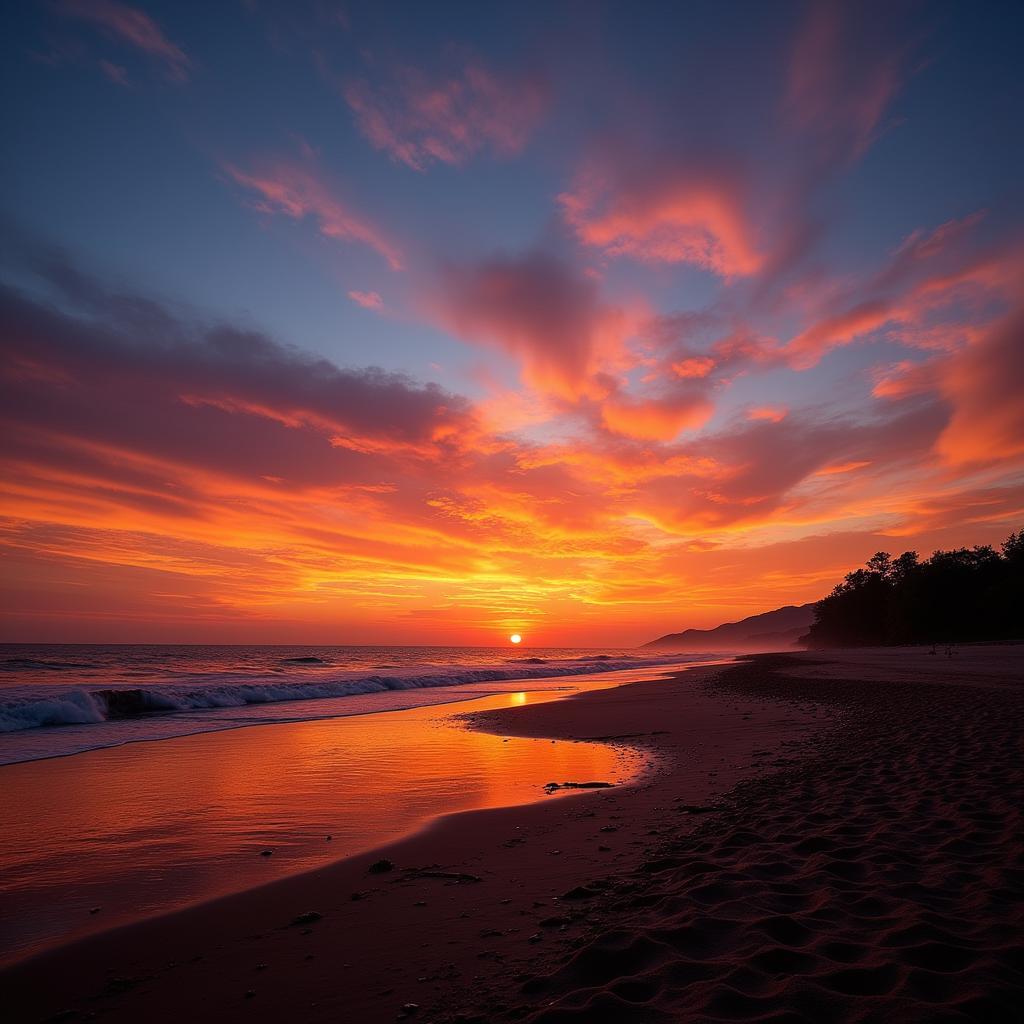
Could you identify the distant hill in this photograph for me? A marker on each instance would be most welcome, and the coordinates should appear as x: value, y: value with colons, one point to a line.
x: 769, y: 631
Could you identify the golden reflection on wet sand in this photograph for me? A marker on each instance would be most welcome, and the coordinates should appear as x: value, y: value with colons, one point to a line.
x: 148, y: 827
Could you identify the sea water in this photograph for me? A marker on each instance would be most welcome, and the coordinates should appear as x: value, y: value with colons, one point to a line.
x: 170, y: 797
x: 64, y: 699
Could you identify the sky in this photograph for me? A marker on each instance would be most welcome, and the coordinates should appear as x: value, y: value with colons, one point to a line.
x: 428, y: 323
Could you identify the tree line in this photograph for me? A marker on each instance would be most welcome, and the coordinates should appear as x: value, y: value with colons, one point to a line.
x: 958, y: 596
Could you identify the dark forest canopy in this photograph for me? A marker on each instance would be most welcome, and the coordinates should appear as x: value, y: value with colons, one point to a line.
x: 954, y: 596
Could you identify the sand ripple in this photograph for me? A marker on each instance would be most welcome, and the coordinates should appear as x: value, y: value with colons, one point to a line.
x: 880, y: 879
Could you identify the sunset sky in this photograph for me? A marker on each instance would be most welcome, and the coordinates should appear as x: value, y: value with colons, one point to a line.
x: 428, y: 323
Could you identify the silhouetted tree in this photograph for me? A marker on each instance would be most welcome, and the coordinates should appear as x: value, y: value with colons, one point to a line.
x: 966, y: 594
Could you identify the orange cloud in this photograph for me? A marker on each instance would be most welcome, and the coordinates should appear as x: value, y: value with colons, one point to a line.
x: 843, y: 467
x: 175, y: 481
x: 538, y: 309
x: 693, y: 367
x: 809, y: 346
x: 293, y: 190
x: 419, y: 119
x: 930, y: 295
x: 667, y: 214
x: 655, y: 419
x: 985, y: 384
x: 902, y: 379
x: 771, y: 413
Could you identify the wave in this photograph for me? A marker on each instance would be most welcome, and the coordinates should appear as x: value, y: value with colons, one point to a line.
x: 20, y: 664
x: 81, y: 706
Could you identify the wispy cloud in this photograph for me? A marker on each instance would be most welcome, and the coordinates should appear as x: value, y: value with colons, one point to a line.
x: 135, y: 28
x: 844, y: 73
x: 368, y: 300
x: 420, y: 118
x: 299, y: 191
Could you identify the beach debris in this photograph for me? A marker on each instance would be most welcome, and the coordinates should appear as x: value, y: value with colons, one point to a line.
x: 358, y: 896
x: 309, y: 917
x: 609, y: 828
x: 250, y: 993
x: 551, y: 787
x: 535, y: 937
x: 382, y: 866
x: 266, y: 853
x: 260, y: 967
x: 408, y: 1009
x: 95, y: 910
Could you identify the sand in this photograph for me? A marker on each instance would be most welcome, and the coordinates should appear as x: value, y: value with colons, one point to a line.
x: 822, y: 837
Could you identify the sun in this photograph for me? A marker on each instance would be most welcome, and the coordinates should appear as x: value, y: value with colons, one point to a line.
x: 515, y: 638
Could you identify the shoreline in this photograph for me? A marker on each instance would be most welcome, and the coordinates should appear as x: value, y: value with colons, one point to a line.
x: 259, y: 723
x: 206, y: 718
x: 388, y: 765
x: 731, y: 881
x: 454, y: 841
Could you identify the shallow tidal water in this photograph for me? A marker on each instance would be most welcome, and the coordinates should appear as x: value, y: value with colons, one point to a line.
x: 115, y: 835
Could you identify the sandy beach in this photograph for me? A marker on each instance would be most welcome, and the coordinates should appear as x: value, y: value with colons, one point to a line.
x: 819, y: 837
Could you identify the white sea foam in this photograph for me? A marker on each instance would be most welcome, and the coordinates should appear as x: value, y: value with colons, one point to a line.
x: 76, y: 705
x: 67, y: 707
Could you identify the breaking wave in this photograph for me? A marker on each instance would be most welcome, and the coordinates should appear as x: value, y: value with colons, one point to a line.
x: 83, y: 706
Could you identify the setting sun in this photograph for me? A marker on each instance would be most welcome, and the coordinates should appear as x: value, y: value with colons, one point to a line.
x: 689, y: 335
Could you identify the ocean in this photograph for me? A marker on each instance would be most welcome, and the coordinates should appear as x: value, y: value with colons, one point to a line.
x: 62, y: 699
x: 99, y: 828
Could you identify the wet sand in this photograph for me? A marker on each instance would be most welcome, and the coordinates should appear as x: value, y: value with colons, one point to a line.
x: 823, y: 837
x: 112, y: 836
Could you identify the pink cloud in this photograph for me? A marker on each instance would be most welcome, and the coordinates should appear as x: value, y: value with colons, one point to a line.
x: 903, y: 379
x: 932, y: 294
x: 541, y: 311
x: 420, y: 119
x: 693, y: 367
x: 770, y: 413
x: 843, y: 76
x: 134, y: 27
x: 669, y: 213
x: 294, y: 190
x: 752, y: 483
x: 809, y: 346
x: 222, y: 400
x: 368, y: 300
x: 117, y: 74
